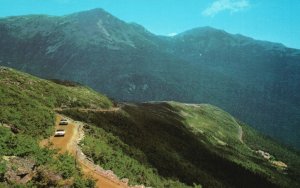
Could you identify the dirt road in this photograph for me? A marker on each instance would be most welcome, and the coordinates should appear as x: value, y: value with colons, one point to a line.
x: 69, y: 143
x: 61, y: 143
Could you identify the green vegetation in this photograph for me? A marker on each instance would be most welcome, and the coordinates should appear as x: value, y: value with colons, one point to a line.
x: 224, y: 134
x: 25, y: 146
x: 164, y: 144
x: 217, y: 125
x: 27, y: 102
x: 186, y: 143
x: 27, y: 115
x: 113, y: 154
x: 2, y: 170
x: 257, y: 141
x: 257, y: 81
x: 18, y: 145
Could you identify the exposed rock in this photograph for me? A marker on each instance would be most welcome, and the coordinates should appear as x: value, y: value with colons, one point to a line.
x: 4, y: 125
x: 19, y: 170
x: 280, y: 164
x: 22, y: 170
x: 264, y: 154
x: 6, y: 158
x: 270, y: 158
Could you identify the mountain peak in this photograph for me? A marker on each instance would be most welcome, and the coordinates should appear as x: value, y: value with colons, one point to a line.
x: 95, y: 22
x: 92, y: 12
x: 202, y: 31
x: 91, y: 15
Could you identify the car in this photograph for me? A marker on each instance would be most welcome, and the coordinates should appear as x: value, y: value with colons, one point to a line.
x: 60, y: 132
x: 63, y: 122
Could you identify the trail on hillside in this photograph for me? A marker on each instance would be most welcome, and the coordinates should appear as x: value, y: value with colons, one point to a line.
x: 240, y: 134
x: 69, y: 143
x: 240, y: 130
x: 89, y: 109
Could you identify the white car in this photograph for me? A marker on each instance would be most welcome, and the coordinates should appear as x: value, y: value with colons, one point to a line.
x: 63, y: 122
x: 60, y: 132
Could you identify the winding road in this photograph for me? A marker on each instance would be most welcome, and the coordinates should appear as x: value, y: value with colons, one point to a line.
x: 69, y: 143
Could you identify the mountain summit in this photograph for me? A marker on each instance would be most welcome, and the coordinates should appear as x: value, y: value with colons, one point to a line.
x: 257, y: 81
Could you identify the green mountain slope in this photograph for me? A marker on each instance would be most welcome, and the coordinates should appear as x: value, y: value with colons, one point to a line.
x: 198, y: 144
x: 256, y: 81
x: 27, y: 116
x: 159, y: 144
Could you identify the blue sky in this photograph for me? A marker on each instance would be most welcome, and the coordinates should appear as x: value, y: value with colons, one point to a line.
x: 272, y: 20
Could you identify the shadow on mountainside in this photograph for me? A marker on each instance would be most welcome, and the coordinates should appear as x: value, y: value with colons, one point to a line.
x: 157, y: 130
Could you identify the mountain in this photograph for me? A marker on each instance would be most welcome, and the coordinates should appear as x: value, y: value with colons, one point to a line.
x: 256, y: 81
x: 158, y: 144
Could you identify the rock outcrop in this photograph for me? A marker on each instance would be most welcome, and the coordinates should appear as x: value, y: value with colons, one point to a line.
x: 19, y: 170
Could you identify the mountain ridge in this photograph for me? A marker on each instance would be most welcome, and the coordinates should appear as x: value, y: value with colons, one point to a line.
x: 207, y: 29
x: 256, y: 81
x: 101, y: 13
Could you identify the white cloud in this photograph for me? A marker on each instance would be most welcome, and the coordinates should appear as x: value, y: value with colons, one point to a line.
x: 172, y: 34
x: 223, y: 5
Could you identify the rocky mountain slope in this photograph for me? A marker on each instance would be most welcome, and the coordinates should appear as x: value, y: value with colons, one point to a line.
x: 256, y: 81
x: 158, y: 144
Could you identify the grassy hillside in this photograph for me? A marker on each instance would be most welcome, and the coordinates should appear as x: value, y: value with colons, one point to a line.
x: 163, y: 144
x: 193, y: 144
x: 27, y: 102
x: 256, y: 81
x: 27, y: 115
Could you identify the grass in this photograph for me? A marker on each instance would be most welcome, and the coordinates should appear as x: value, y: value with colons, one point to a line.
x: 221, y: 131
x: 27, y: 102
x: 113, y: 154
x: 27, y: 115
x: 219, y: 126
x: 177, y: 142
x: 25, y: 146
x: 257, y: 141
x: 156, y: 144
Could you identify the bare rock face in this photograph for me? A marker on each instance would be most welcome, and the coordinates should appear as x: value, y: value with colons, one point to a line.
x: 23, y: 170
x: 19, y: 170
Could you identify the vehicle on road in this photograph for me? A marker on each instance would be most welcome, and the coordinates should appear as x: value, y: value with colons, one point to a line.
x: 63, y: 122
x: 60, y: 132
